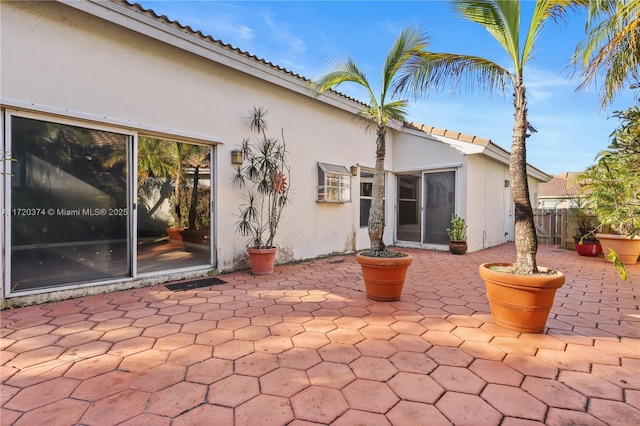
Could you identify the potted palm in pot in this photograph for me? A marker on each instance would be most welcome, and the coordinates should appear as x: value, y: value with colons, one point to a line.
x: 457, y: 235
x: 383, y: 270
x: 266, y: 170
x: 612, y: 189
x: 510, y: 286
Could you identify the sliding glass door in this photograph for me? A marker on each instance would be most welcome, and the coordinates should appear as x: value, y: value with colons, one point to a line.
x: 70, y: 209
x: 73, y: 217
x: 173, y: 205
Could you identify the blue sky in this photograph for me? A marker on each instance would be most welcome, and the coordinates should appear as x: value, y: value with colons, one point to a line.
x: 303, y: 36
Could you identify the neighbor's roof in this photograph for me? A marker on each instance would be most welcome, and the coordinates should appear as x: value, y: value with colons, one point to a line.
x: 561, y: 185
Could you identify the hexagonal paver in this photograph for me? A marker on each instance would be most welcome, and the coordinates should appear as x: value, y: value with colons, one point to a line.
x: 65, y: 411
x: 554, y: 394
x: 130, y: 403
x: 590, y: 385
x: 177, y: 399
x: 336, y: 352
x: 92, y: 367
x: 410, y: 343
x: 458, y: 379
x: 465, y: 409
x: 345, y: 336
x: 412, y: 362
x: 310, y: 339
x: 174, y: 341
x: 107, y: 384
x: 144, y: 360
x: 273, y: 344
x: 319, y: 404
x: 132, y: 346
x: 284, y: 382
x: 376, y: 348
x: 42, y: 394
x: 378, y: 332
x: 209, y: 371
x: 190, y: 355
x: 444, y: 355
x: 299, y: 358
x: 271, y: 410
x: 379, y: 369
x: 202, y: 415
x: 368, y: 395
x: 562, y: 417
x: 233, y: 349
x: 513, y: 401
x: 251, y: 333
x: 358, y: 417
x: 214, y: 337
x: 233, y: 390
x: 330, y: 374
x: 414, y: 413
x: 256, y: 364
x: 416, y: 387
x: 157, y: 378
x: 496, y: 372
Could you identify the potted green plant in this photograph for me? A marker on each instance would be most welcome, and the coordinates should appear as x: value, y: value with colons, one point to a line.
x: 612, y: 189
x: 585, y: 241
x: 434, y: 71
x: 457, y: 235
x: 383, y: 271
x: 266, y: 170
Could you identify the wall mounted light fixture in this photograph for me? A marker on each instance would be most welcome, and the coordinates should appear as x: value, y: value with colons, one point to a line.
x: 354, y: 170
x: 236, y: 157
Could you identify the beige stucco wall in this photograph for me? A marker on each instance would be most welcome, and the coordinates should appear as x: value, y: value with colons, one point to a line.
x: 89, y: 70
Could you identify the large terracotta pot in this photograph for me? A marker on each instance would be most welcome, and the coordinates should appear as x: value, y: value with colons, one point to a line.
x: 384, y: 276
x: 458, y: 247
x: 590, y: 248
x: 627, y: 248
x: 262, y: 260
x: 520, y: 302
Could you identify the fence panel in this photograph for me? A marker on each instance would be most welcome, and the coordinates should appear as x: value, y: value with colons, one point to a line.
x: 551, y: 226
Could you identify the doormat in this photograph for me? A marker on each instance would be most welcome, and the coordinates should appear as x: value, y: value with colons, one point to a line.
x: 196, y: 283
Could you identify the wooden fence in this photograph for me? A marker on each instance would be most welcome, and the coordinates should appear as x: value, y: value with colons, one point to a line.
x: 555, y: 227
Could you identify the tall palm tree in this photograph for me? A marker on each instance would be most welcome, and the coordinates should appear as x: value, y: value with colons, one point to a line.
x: 382, y: 110
x: 612, y: 46
x: 501, y: 18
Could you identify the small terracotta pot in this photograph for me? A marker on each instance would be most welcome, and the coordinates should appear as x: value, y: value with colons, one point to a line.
x: 627, y: 248
x: 458, y: 247
x: 262, y: 260
x: 520, y: 302
x: 384, y: 276
x: 589, y: 248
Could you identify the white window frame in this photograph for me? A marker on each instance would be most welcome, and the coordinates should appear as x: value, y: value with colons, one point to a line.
x: 334, y: 184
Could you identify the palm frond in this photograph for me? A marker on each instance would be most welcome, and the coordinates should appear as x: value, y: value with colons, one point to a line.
x: 458, y: 72
x: 501, y: 18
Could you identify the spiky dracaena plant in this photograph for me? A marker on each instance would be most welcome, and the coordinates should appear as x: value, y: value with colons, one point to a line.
x: 266, y: 170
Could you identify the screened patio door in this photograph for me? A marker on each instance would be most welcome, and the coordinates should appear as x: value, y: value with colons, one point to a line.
x: 439, y: 205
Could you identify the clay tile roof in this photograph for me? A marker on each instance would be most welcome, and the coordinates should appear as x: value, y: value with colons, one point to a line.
x: 463, y: 137
x: 559, y: 186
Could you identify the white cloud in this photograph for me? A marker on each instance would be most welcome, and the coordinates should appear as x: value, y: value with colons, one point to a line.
x: 280, y: 32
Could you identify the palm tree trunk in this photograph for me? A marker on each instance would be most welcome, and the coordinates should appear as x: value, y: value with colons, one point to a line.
x: 525, y: 232
x: 376, y: 213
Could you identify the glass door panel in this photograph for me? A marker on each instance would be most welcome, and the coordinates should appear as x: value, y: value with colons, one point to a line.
x: 439, y: 205
x: 173, y: 205
x: 408, y: 208
x: 69, y: 204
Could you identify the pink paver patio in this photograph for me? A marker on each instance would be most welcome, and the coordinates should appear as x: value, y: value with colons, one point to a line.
x: 305, y: 346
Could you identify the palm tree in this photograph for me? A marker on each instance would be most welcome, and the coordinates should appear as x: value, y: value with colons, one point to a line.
x: 382, y: 110
x: 501, y: 18
x: 612, y: 46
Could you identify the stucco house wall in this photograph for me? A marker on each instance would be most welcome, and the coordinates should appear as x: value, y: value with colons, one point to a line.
x: 106, y: 65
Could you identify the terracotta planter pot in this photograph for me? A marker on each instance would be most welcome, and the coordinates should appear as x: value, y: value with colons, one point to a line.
x: 384, y: 276
x: 458, y: 247
x: 175, y: 236
x: 262, y: 260
x: 627, y: 248
x: 520, y: 302
x: 589, y: 248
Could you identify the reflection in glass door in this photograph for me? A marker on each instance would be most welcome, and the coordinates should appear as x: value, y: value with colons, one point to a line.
x: 173, y: 205
x: 439, y: 205
x: 69, y: 204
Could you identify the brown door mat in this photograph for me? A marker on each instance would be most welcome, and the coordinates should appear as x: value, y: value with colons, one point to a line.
x: 195, y: 283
